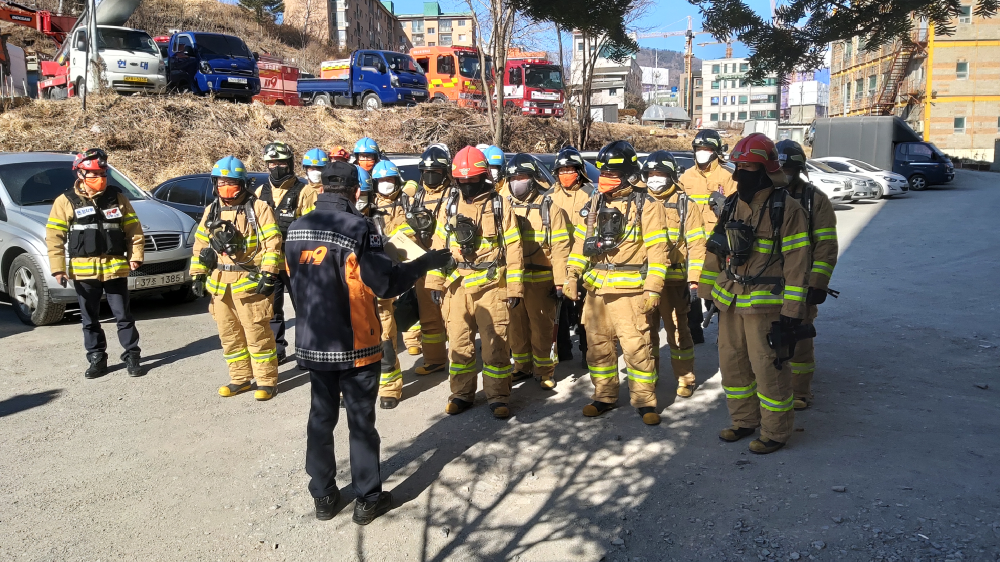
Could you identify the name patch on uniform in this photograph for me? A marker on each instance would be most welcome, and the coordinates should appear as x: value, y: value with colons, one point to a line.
x: 113, y: 213
x: 85, y: 212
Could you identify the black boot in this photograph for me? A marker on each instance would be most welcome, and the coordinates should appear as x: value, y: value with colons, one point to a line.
x: 132, y: 359
x: 98, y: 365
x: 326, y: 506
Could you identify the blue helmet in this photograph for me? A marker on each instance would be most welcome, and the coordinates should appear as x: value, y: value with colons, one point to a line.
x: 366, y: 145
x: 385, y: 169
x: 230, y: 167
x: 364, y: 179
x: 494, y: 156
x: 315, y: 158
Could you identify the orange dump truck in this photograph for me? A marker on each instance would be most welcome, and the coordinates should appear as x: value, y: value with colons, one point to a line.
x: 453, y: 74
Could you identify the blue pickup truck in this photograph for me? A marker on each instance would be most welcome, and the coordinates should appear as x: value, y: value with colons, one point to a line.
x: 205, y: 63
x: 369, y: 79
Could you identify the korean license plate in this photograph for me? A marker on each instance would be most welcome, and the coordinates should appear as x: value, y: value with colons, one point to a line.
x: 137, y: 79
x: 548, y: 112
x: 237, y: 80
x: 153, y: 281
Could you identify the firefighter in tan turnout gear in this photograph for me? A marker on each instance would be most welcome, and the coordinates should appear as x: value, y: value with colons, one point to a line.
x: 685, y: 237
x: 236, y: 259
x: 546, y: 244
x: 756, y: 273
x: 824, y: 250
x: 623, y: 262
x: 487, y: 282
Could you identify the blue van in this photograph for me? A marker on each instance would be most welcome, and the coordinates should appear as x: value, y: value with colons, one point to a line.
x: 923, y: 164
x: 205, y: 63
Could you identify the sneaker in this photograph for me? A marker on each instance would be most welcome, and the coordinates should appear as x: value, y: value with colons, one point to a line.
x: 388, y: 402
x: 233, y: 389
x: 132, y: 360
x: 366, y: 512
x: 457, y: 406
x: 98, y: 365
x: 326, y: 506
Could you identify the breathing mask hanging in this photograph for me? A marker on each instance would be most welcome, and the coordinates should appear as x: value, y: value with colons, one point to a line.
x: 740, y: 238
x: 225, y: 238
x: 610, y: 226
x: 420, y: 220
x: 466, y: 233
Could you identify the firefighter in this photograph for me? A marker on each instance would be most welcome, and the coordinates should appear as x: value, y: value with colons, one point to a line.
x: 546, y: 245
x: 623, y: 262
x: 313, y: 163
x: 340, y: 154
x: 365, y: 197
x: 237, y: 253
x: 105, y: 243
x: 707, y: 184
x: 426, y: 198
x: 572, y: 194
x: 366, y: 154
x: 497, y: 161
x: 290, y: 199
x: 685, y: 236
x: 756, y: 272
x: 823, y: 246
x: 482, y: 288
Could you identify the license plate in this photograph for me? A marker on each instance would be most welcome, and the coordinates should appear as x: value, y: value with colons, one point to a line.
x: 548, y: 111
x: 419, y: 94
x: 153, y: 281
x: 137, y: 79
x: 237, y: 80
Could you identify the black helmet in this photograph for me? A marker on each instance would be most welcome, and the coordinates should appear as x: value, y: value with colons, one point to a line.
x: 568, y: 157
x: 660, y: 161
x: 790, y: 155
x: 620, y: 156
x: 434, y: 158
x: 709, y: 138
x: 523, y: 164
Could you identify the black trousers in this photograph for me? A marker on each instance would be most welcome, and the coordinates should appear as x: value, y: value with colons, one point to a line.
x: 89, y: 293
x: 569, y: 318
x: 695, y: 317
x: 278, y: 320
x: 360, y: 388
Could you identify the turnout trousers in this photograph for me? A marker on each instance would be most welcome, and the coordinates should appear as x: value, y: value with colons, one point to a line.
x: 88, y: 294
x: 675, y: 302
x: 391, y: 381
x: 531, y: 325
x: 757, y: 393
x: 359, y: 386
x: 278, y: 320
x: 620, y: 315
x: 803, y: 367
x: 247, y: 341
x: 484, y: 313
x: 429, y: 334
x: 695, y: 318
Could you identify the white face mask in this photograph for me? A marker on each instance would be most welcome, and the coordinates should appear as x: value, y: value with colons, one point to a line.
x: 657, y: 184
x: 494, y: 173
x: 386, y: 187
x: 703, y: 156
x: 315, y: 176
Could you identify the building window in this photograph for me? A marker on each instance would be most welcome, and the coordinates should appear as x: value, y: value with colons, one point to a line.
x: 444, y: 39
x: 715, y: 85
x: 962, y: 70
x: 418, y: 39
x: 463, y: 23
x: 715, y: 101
x: 697, y: 94
x: 698, y: 108
x: 725, y: 100
x: 461, y: 38
x: 715, y: 69
x: 743, y: 116
x: 960, y: 125
x: 859, y: 84
x: 418, y: 26
x: 744, y: 67
x: 732, y: 100
x: 430, y: 31
x: 872, y: 84
x: 713, y: 117
x: 432, y: 44
x: 445, y: 26
x: 612, y: 91
x: 579, y: 46
x: 697, y: 82
x: 743, y: 99
x: 965, y: 14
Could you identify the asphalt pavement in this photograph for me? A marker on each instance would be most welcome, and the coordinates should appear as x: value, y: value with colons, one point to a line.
x: 898, y: 459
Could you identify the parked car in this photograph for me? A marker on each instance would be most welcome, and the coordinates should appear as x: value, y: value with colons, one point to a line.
x: 205, y: 63
x: 29, y: 184
x: 837, y: 186
x: 369, y: 79
x: 889, y: 183
x: 191, y: 194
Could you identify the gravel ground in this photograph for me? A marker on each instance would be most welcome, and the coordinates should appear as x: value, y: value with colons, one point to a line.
x: 897, y: 460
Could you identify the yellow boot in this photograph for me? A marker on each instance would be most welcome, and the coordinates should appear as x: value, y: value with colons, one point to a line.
x: 414, y: 350
x: 685, y: 386
x: 234, y: 389
x: 265, y: 392
x: 548, y: 383
x: 428, y: 369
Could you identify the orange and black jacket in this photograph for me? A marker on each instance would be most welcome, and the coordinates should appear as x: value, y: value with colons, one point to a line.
x: 338, y: 268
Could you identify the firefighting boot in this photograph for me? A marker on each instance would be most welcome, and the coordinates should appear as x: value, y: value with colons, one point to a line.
x: 414, y: 350
x: 595, y: 409
x: 685, y: 386
x: 649, y: 415
x: 500, y: 411
x: 800, y: 404
x: 233, y: 389
x: 326, y: 506
x: 763, y: 447
x: 520, y: 376
x: 387, y: 402
x: 426, y: 369
x: 98, y: 365
x: 457, y: 406
x: 265, y: 393
x: 733, y: 434
x: 547, y: 382
x: 132, y: 360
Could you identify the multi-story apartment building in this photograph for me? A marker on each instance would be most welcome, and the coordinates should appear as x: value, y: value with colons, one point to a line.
x: 349, y: 24
x: 611, y: 80
x: 729, y: 98
x: 804, y: 99
x: 946, y: 88
x: 434, y: 28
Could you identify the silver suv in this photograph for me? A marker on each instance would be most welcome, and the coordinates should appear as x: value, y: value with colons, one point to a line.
x: 29, y: 183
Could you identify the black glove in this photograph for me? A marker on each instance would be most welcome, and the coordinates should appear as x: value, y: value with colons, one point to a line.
x: 198, y: 285
x: 434, y: 259
x: 266, y: 284
x: 512, y: 302
x: 590, y: 247
x: 716, y: 202
x: 789, y: 322
x: 437, y: 297
x: 816, y: 296
x: 208, y: 258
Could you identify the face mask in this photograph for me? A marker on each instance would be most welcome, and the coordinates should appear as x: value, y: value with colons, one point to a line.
x: 749, y: 182
x: 495, y: 173
x: 280, y: 173
x: 386, y: 187
x: 366, y: 165
x: 471, y: 190
x: 703, y: 156
x: 606, y: 184
x: 520, y: 188
x: 568, y: 179
x: 229, y: 191
x: 432, y: 179
x: 657, y: 184
x: 363, y: 202
x: 315, y: 176
x: 96, y: 185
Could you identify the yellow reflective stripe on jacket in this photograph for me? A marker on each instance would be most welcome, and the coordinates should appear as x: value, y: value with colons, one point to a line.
x: 794, y: 293
x: 201, y: 234
x: 701, y: 198
x: 654, y: 237
x: 823, y: 268
x: 658, y: 269
x: 577, y: 260
x: 534, y: 276
x: 128, y: 219
x: 271, y: 258
x: 794, y: 241
x: 474, y: 279
x: 217, y: 288
x: 404, y: 228
x: 596, y: 279
x: 269, y: 230
x: 56, y: 224
x: 825, y: 234
x: 511, y: 235
x: 560, y: 235
x: 515, y: 276
x: 694, y: 234
x: 764, y: 245
x: 81, y: 266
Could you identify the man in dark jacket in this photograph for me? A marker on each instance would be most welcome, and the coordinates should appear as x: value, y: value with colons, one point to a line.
x: 338, y: 268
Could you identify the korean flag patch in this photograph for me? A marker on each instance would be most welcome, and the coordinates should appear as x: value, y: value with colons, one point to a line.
x: 113, y: 213
x: 374, y: 241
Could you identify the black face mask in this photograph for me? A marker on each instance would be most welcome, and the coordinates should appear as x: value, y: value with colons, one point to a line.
x: 473, y: 190
x: 749, y: 182
x: 432, y: 178
x: 280, y: 174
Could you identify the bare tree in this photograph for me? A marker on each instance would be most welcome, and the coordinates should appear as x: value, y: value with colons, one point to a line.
x: 494, y: 19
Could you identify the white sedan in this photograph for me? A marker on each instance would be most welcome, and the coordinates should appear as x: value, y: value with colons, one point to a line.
x: 862, y: 186
x: 837, y: 188
x: 889, y: 183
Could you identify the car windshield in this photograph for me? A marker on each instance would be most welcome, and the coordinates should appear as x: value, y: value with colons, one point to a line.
x: 40, y: 183
x: 221, y: 46
x: 468, y: 65
x: 864, y: 166
x: 126, y: 40
x: 402, y: 63
x: 821, y: 166
x: 544, y: 77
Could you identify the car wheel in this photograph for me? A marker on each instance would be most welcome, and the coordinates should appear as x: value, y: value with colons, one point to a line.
x: 80, y: 87
x: 918, y: 182
x: 439, y: 98
x: 322, y: 100
x: 180, y: 296
x: 371, y: 102
x: 32, y: 303
x: 879, y: 192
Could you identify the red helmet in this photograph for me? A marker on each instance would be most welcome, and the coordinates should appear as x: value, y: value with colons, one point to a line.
x: 340, y: 153
x: 91, y: 161
x: 757, y: 148
x: 470, y: 162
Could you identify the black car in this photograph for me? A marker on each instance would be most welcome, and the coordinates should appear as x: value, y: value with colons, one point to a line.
x: 191, y: 194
